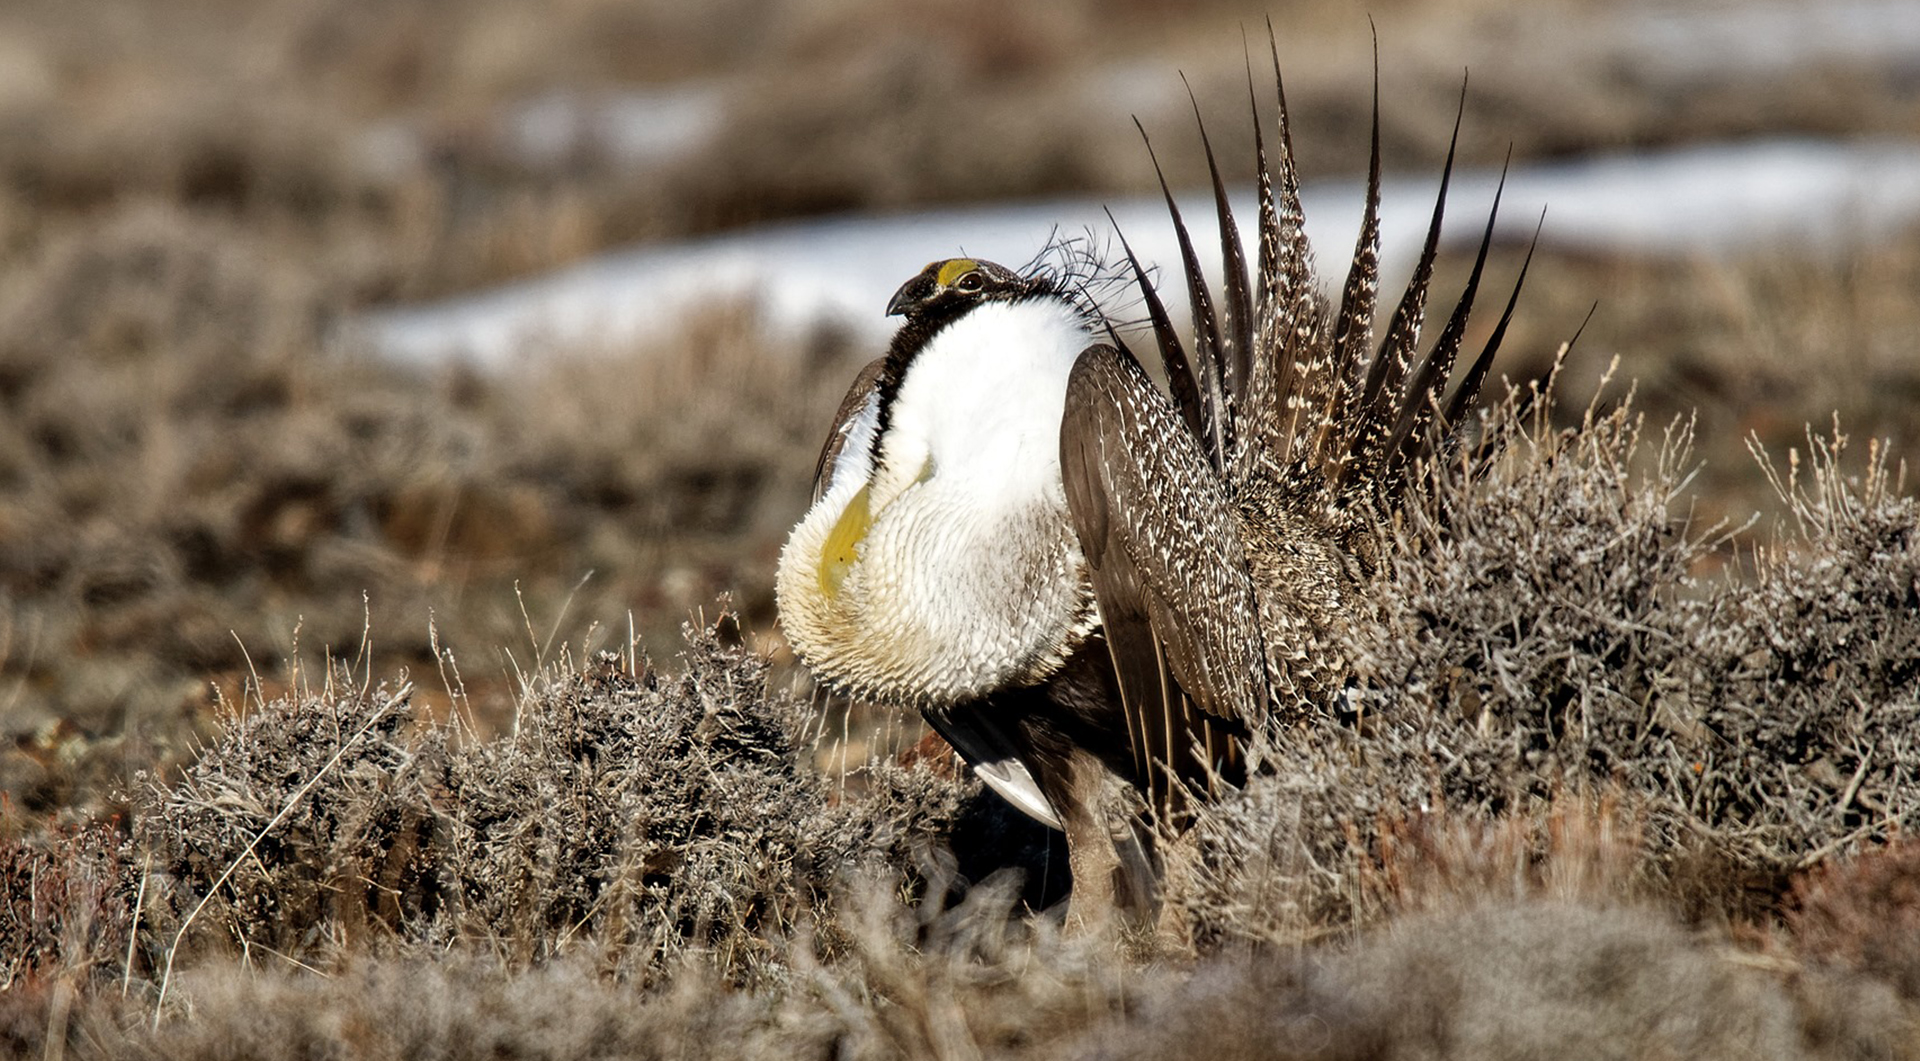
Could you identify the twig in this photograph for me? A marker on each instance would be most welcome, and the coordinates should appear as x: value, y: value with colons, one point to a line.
x: 295, y: 962
x: 59, y: 1018
x: 133, y: 934
x: 459, y: 706
x: 565, y: 606
x: 532, y: 638
x: 259, y: 692
x: 1813, y: 857
x: 1853, y: 786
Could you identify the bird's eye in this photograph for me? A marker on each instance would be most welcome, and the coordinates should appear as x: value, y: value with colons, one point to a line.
x: 969, y: 283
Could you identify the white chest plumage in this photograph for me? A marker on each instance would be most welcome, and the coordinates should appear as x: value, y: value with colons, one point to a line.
x: 940, y: 565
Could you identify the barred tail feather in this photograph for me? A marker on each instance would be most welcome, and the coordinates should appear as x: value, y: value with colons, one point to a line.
x: 1354, y: 332
x: 1469, y: 388
x: 1182, y: 385
x: 1374, y: 412
x: 1420, y: 400
x: 1235, y: 326
x: 1269, y: 221
x: 1216, y: 416
x: 1259, y: 416
x: 1299, y: 360
x: 1279, y: 386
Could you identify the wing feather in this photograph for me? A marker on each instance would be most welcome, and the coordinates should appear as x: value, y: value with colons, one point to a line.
x: 1165, y: 558
x: 975, y: 731
x: 843, y: 422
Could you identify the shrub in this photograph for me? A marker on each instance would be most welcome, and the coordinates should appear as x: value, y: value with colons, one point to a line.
x: 1540, y: 632
x: 636, y: 815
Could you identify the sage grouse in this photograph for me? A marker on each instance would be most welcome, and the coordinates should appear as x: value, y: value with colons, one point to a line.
x: 1095, y: 589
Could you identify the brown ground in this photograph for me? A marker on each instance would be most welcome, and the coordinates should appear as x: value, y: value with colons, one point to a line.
x: 192, y: 482
x: 199, y: 494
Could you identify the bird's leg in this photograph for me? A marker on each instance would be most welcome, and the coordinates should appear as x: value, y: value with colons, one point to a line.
x: 1116, y: 877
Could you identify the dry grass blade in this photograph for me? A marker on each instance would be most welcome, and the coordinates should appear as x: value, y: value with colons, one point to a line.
x: 293, y: 800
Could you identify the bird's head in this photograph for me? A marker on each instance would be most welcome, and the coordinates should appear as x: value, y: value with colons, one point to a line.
x: 953, y: 284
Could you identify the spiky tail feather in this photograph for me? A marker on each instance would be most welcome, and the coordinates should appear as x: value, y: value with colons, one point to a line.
x: 1276, y: 387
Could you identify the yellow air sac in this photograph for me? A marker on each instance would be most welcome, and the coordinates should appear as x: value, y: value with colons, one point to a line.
x: 837, y: 556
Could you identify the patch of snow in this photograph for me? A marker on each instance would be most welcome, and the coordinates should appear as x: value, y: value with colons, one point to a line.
x: 1804, y: 195
x: 1763, y: 38
x: 1801, y: 195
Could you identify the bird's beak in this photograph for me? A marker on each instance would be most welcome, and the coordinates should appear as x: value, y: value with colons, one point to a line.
x: 903, y: 298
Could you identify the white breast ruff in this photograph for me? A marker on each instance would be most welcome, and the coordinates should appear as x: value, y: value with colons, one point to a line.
x: 969, y: 578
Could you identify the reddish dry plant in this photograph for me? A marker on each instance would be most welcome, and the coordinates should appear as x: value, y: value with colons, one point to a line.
x: 1863, y: 914
x: 66, y: 905
x: 1572, y: 849
x: 68, y: 902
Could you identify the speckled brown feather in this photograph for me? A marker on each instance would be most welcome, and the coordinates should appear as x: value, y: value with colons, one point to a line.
x: 1226, y: 550
x: 1176, y: 597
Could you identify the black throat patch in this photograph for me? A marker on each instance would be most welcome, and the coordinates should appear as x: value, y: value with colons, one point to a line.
x: 920, y: 330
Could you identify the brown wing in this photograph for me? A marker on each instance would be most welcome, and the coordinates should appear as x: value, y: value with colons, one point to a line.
x: 850, y: 406
x: 1168, y: 568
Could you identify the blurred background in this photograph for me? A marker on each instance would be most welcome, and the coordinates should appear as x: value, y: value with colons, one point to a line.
x: 243, y: 432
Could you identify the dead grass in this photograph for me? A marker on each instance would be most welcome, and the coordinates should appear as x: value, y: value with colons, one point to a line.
x: 648, y: 818
x: 1615, y: 786
x: 1544, y: 641
x: 1592, y: 804
x: 1764, y: 346
x: 1863, y: 916
x: 195, y: 492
